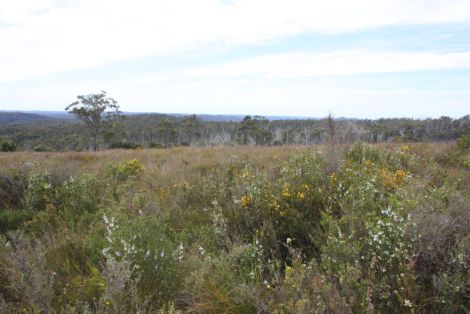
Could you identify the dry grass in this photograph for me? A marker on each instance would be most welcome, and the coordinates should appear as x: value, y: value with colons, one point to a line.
x: 162, y: 162
x: 186, y: 160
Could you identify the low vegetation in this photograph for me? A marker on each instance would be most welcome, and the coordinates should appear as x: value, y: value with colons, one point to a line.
x: 286, y: 229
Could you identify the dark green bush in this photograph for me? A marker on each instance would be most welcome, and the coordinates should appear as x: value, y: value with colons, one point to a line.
x: 40, y: 148
x: 156, y: 145
x: 124, y: 145
x: 7, y: 146
x: 13, y: 219
x: 463, y: 142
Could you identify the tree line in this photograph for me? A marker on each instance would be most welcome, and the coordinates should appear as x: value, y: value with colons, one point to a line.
x: 101, y: 125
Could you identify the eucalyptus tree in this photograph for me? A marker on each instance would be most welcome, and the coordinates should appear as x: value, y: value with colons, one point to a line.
x: 97, y: 111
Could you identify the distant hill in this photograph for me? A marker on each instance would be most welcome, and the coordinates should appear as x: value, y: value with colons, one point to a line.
x: 7, y: 117
x: 63, y: 115
x: 226, y: 117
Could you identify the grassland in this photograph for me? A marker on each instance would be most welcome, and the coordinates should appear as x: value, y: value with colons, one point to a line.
x: 308, y: 229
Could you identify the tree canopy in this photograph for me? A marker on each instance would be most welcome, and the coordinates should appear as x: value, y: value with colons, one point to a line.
x: 96, y: 111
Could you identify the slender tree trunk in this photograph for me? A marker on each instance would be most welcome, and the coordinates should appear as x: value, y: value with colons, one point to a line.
x: 95, y: 135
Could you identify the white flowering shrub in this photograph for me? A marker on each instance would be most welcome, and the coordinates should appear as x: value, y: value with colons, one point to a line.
x: 152, y: 255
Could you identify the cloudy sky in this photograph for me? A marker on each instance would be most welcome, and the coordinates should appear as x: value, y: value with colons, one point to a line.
x: 362, y: 58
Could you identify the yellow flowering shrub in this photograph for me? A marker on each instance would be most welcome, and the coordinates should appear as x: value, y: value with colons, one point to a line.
x: 245, y: 201
x: 127, y: 169
x: 286, y: 192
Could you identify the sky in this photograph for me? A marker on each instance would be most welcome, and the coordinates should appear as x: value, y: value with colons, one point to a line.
x: 362, y: 58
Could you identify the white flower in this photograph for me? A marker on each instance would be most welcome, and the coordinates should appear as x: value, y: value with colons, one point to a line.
x: 408, y: 303
x: 288, y: 240
x: 179, y: 252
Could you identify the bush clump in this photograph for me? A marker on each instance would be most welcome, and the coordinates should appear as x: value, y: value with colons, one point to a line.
x: 7, y: 146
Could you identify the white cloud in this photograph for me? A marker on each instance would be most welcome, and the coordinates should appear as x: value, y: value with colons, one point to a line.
x: 39, y: 37
x: 353, y: 62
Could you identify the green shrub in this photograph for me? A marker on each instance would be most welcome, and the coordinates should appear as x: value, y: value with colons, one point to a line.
x: 77, y: 196
x: 127, y: 170
x: 463, y: 142
x: 13, y: 219
x: 7, y: 146
x: 40, y: 148
x: 156, y: 145
x: 154, y: 260
x: 466, y: 162
x: 124, y: 145
x: 40, y: 191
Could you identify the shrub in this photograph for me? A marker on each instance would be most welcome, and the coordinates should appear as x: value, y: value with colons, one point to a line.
x: 7, y: 146
x: 463, y: 142
x: 13, y: 219
x: 40, y: 148
x: 12, y: 188
x: 127, y: 169
x: 154, y: 261
x: 40, y: 191
x: 466, y: 162
x: 124, y: 145
x: 156, y: 145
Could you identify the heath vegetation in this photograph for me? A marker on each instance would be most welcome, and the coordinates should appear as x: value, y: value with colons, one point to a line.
x: 288, y: 229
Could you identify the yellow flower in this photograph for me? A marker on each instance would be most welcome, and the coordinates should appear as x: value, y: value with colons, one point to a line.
x: 300, y: 195
x: 286, y: 192
x: 405, y: 149
x: 391, y: 180
x: 388, y: 180
x: 368, y: 163
x: 333, y: 178
x: 400, y: 175
x: 245, y: 201
x: 185, y: 185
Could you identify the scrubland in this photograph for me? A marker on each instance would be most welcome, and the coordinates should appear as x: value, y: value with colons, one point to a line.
x: 311, y: 229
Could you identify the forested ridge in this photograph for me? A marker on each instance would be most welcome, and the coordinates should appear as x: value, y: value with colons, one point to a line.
x: 159, y: 130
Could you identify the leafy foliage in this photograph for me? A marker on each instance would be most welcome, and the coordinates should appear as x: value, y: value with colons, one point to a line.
x: 7, y: 146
